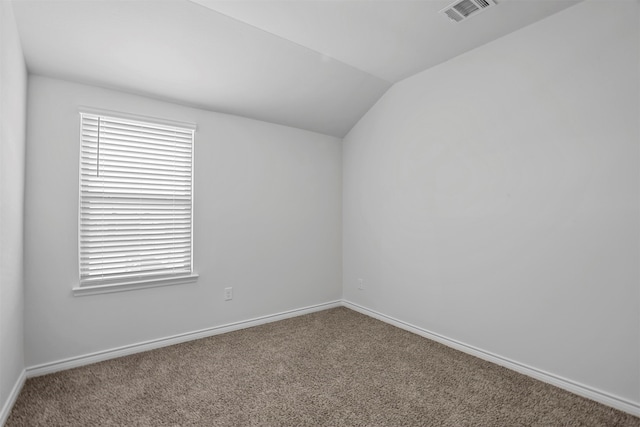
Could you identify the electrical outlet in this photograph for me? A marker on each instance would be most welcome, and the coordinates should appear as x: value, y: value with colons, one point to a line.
x: 361, y: 284
x: 228, y: 294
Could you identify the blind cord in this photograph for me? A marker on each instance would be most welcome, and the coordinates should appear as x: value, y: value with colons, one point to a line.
x: 98, y: 149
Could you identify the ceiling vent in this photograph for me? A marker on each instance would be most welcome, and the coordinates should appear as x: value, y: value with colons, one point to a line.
x: 461, y: 10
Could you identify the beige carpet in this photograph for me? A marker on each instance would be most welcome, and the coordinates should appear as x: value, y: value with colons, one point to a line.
x: 331, y: 368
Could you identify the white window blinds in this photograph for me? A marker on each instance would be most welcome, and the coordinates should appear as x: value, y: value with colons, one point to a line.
x: 135, y: 200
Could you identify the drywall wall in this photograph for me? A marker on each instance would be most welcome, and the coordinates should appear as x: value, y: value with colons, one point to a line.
x: 13, y: 94
x: 267, y: 222
x: 494, y: 199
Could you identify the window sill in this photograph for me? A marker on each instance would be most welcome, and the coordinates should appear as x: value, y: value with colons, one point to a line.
x: 79, y: 291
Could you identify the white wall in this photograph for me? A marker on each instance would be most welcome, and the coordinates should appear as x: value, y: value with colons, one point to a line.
x: 13, y: 86
x: 494, y: 199
x: 267, y: 222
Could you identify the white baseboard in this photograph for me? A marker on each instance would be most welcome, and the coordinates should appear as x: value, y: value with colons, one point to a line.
x: 566, y: 384
x: 11, y: 399
x: 87, y: 359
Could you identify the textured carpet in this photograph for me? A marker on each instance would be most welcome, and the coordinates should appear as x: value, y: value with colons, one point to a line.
x: 331, y: 368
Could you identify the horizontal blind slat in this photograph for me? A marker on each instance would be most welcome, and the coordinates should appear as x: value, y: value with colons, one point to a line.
x: 137, y: 177
x: 138, y: 274
x: 133, y: 124
x: 90, y: 165
x: 134, y: 234
x: 89, y: 258
x: 94, y: 263
x: 174, y: 145
x: 139, y: 150
x: 120, y: 208
x: 140, y: 268
x: 130, y: 250
x: 132, y: 192
x: 91, y: 132
x: 133, y: 161
x: 118, y: 222
x: 114, y: 184
x: 96, y: 266
x: 90, y: 280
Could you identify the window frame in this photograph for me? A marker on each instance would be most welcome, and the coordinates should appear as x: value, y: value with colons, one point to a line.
x: 110, y: 286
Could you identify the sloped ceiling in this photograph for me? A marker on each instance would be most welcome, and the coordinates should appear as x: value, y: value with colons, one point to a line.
x: 315, y: 65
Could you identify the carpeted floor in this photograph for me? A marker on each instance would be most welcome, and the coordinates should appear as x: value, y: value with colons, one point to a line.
x: 331, y: 368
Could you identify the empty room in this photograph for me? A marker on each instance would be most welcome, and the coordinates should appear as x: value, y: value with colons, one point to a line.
x: 319, y: 213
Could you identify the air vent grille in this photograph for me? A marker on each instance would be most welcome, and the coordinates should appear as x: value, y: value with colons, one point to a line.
x: 461, y: 10
x: 453, y: 15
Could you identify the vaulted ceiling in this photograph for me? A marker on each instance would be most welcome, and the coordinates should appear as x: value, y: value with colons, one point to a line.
x: 315, y: 65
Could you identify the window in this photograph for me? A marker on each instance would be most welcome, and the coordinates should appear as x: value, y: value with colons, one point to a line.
x: 136, y: 181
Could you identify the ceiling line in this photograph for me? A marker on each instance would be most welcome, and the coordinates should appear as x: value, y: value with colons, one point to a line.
x: 292, y: 42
